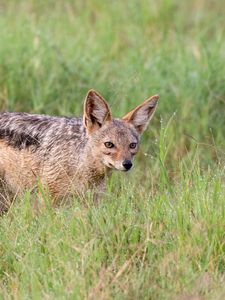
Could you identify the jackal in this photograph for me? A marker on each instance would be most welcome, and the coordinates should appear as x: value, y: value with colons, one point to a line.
x: 68, y: 155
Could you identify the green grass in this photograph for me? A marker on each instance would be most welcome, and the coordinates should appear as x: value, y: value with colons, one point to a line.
x: 159, y: 232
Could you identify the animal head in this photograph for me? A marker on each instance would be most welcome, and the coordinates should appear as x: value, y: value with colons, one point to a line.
x: 114, y: 142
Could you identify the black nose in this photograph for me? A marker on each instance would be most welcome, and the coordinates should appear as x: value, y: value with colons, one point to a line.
x: 127, y: 164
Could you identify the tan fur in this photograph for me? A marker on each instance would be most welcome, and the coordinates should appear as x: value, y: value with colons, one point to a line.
x: 141, y: 115
x: 19, y: 171
x: 68, y: 156
x: 20, y: 168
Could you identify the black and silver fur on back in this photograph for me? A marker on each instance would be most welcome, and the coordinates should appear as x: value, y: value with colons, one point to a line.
x: 28, y: 131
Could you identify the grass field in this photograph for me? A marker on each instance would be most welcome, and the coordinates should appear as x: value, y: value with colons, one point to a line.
x: 159, y: 233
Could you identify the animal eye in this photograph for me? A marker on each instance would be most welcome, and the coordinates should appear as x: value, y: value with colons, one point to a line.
x: 109, y: 144
x: 133, y: 145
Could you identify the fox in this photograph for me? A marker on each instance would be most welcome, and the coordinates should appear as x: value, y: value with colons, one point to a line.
x: 68, y: 155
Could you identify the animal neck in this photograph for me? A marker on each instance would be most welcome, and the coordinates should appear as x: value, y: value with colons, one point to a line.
x: 92, y: 169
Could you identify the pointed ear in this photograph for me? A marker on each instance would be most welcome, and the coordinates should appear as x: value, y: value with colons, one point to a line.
x: 96, y: 111
x: 141, y: 115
